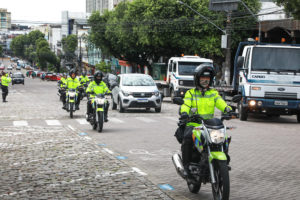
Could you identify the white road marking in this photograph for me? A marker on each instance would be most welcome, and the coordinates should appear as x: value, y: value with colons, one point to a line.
x: 20, y: 123
x: 139, y: 171
x: 144, y: 119
x: 108, y: 151
x: 172, y: 118
x: 115, y: 120
x: 53, y: 122
x: 82, y: 121
x: 73, y: 129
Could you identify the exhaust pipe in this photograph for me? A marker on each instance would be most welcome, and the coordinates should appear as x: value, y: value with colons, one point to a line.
x: 178, y: 164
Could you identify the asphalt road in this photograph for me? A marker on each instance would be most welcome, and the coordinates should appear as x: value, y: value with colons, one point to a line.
x: 264, y: 151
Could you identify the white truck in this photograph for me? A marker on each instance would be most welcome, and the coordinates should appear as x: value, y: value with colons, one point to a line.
x: 179, y: 77
x: 268, y: 78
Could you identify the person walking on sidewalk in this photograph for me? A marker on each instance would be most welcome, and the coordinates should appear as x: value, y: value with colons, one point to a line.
x: 5, y: 80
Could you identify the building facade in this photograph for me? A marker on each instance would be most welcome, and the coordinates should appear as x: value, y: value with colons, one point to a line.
x: 5, y: 19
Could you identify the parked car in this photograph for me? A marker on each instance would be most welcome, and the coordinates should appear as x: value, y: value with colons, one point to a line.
x: 2, y: 67
x: 48, y: 76
x: 17, y: 78
x: 136, y: 91
x: 18, y: 68
x: 9, y: 67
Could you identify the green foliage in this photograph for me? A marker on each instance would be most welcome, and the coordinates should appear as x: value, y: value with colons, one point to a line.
x: 144, y: 30
x: 70, y: 43
x: 102, y: 66
x: 291, y: 7
x: 1, y: 50
x: 18, y: 45
x: 33, y: 36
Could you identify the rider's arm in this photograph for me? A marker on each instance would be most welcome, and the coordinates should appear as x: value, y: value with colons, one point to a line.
x: 186, y: 107
x: 107, y: 91
x: 220, y: 103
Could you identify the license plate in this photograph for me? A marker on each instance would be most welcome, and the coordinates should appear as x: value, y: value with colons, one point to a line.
x: 142, y: 100
x: 281, y: 103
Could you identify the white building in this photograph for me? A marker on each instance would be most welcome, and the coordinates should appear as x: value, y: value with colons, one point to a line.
x: 270, y: 11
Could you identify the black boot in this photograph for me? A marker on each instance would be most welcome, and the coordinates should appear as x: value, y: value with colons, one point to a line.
x: 77, y: 106
x: 4, y: 98
x: 64, y: 106
x: 186, y: 149
x: 106, y: 113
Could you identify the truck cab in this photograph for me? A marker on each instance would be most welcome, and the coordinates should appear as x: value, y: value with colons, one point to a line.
x: 180, y: 74
x: 269, y: 80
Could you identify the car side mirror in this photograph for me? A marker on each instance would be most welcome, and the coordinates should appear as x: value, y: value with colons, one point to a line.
x: 158, y: 85
x: 178, y: 100
x: 236, y: 98
x: 240, y: 62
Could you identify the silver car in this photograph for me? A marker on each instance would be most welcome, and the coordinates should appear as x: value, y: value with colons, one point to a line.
x: 135, y: 91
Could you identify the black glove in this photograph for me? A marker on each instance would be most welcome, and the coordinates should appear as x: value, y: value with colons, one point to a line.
x: 228, y: 109
x: 184, y: 117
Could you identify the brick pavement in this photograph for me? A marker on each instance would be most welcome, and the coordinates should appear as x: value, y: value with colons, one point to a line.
x: 56, y: 163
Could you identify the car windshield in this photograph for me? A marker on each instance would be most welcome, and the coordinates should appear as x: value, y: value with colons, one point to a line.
x: 188, y: 68
x: 138, y: 81
x: 276, y: 59
x: 17, y: 76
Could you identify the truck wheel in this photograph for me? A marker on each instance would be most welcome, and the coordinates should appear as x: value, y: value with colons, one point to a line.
x: 242, y: 112
x: 172, y: 93
x: 298, y: 118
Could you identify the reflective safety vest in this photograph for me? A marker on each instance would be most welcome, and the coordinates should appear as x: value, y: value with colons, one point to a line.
x: 5, y: 80
x: 72, y: 83
x: 97, y: 89
x: 204, y: 105
x: 84, y: 79
x: 63, y: 82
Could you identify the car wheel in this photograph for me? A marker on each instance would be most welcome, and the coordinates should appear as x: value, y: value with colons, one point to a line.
x: 158, y: 110
x: 121, y: 109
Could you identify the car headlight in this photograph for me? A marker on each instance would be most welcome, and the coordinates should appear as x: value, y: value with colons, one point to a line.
x: 126, y: 93
x: 180, y: 82
x: 217, y: 136
x: 156, y: 93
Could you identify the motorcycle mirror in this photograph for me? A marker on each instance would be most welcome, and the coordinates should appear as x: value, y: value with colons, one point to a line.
x: 178, y: 100
x: 237, y: 98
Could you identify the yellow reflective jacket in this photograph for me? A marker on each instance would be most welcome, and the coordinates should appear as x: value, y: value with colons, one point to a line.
x: 204, y: 104
x: 5, y: 80
x: 84, y: 79
x: 97, y: 89
x: 63, y: 82
x: 72, y: 83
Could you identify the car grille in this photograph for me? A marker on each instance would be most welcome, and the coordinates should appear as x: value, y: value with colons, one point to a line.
x: 142, y: 94
x: 189, y: 83
x: 280, y: 95
x: 135, y: 104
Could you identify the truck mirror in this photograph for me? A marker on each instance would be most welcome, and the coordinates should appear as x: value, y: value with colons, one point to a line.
x: 240, y: 62
x: 178, y: 100
x: 236, y: 98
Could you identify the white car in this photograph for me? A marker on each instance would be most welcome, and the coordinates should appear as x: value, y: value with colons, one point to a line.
x: 136, y: 91
x: 9, y: 67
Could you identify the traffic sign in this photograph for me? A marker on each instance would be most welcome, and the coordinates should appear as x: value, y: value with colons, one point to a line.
x: 223, y: 5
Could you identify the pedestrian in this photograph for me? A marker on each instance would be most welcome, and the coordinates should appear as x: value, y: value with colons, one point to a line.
x: 5, y: 80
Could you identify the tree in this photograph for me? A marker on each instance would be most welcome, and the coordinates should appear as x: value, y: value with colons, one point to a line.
x: 291, y: 7
x: 44, y: 55
x: 144, y: 30
x: 1, y: 51
x: 18, y: 45
x: 70, y: 44
x: 103, y: 67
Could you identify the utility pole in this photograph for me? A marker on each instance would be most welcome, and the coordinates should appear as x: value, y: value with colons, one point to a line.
x: 228, y: 49
x: 80, y: 56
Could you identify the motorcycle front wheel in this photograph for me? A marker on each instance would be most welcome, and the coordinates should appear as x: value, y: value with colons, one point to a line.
x: 100, y: 120
x: 221, y: 188
x: 71, y: 109
x: 193, y: 187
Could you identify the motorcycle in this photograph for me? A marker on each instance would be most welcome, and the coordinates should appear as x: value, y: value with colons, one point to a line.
x: 210, y: 157
x: 98, y: 103
x: 61, y: 90
x: 71, y: 99
x: 82, y: 90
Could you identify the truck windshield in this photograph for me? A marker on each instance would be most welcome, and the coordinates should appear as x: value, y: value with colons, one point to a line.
x: 188, y: 68
x: 276, y: 59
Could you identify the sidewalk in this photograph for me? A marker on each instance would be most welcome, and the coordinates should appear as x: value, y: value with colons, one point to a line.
x: 58, y: 163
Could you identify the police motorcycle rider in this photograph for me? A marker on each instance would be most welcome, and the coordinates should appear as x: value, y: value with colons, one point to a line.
x: 72, y: 83
x: 84, y: 80
x: 201, y: 100
x: 62, y: 86
x: 97, y: 87
x: 5, y: 80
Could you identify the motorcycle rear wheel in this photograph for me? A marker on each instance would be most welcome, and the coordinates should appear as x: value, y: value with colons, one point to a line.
x: 71, y: 110
x: 222, y: 186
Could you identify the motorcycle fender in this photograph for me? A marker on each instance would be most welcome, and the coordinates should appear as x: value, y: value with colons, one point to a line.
x: 217, y: 155
x: 100, y: 109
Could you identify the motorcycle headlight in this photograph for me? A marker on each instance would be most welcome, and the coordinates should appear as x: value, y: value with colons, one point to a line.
x: 100, y: 101
x: 72, y: 94
x: 217, y: 136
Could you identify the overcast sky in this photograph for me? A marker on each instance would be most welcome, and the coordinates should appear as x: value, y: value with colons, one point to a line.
x: 41, y: 10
